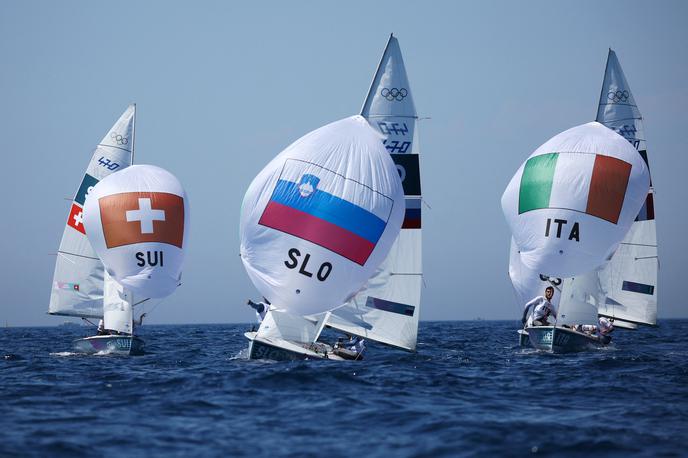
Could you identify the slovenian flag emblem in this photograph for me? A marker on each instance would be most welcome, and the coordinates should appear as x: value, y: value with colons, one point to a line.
x: 547, y: 179
x: 327, y: 209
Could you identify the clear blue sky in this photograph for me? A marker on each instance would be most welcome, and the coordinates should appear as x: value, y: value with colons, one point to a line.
x: 222, y: 87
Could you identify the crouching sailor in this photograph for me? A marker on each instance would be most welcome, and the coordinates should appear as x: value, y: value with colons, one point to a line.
x: 261, y: 308
x: 351, y: 347
x: 542, y: 309
x: 603, y: 329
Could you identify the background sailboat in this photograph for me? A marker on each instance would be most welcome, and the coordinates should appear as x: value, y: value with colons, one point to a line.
x: 316, y: 223
x: 387, y: 310
x: 81, y: 287
x: 568, y: 206
x: 137, y: 221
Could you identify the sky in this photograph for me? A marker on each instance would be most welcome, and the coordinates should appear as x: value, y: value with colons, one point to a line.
x: 223, y: 87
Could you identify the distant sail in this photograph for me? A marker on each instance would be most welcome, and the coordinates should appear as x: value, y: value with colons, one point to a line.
x: 630, y: 278
x: 388, y: 309
x: 138, y: 222
x: 573, y: 200
x: 78, y: 281
x: 319, y: 218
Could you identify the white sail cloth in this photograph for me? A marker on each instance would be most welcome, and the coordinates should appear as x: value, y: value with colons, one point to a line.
x: 387, y: 310
x: 630, y: 278
x: 319, y: 218
x: 138, y: 222
x: 574, y: 199
x: 78, y: 281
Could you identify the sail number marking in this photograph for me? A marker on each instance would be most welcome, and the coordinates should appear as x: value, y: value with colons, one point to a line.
x: 395, y: 146
x: 107, y: 163
x: 395, y: 128
x: 294, y: 254
x: 549, y: 229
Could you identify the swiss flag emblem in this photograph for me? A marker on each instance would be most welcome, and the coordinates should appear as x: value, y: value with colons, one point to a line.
x: 76, y: 218
x: 135, y: 217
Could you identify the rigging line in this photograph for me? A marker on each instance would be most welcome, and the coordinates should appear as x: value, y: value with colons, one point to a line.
x: 646, y: 257
x: 407, y: 273
x: 74, y: 254
x: 637, y: 244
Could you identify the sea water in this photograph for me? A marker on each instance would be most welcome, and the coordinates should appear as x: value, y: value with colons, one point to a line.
x: 469, y: 390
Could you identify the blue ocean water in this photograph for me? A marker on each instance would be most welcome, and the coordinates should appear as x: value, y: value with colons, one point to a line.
x: 468, y: 391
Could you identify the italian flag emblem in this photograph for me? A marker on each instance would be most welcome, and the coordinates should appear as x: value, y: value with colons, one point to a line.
x: 589, y: 183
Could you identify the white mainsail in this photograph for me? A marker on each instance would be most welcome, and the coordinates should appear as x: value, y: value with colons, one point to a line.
x: 630, y: 278
x: 387, y: 310
x: 78, y: 281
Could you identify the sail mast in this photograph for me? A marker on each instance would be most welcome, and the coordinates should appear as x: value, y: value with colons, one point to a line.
x: 133, y: 135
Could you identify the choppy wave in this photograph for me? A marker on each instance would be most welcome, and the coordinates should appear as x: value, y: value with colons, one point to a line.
x: 468, y: 391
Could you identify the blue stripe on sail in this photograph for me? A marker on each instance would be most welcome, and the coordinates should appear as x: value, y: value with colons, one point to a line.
x: 389, y: 306
x: 332, y: 209
x: 638, y: 288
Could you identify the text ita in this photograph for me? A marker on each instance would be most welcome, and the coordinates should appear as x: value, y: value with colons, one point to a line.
x: 554, y: 227
x: 151, y: 258
x: 293, y: 263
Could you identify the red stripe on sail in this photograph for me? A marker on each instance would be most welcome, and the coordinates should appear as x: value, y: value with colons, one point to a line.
x: 308, y: 227
x: 608, y: 187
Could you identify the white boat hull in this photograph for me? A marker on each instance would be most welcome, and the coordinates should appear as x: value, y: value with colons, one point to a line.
x: 110, y: 344
x: 561, y: 340
x: 283, y: 350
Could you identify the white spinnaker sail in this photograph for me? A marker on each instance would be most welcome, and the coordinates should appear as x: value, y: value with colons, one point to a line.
x: 137, y: 221
x: 630, y: 278
x: 387, y: 310
x: 78, y: 280
x: 574, y: 199
x: 528, y: 284
x: 319, y: 219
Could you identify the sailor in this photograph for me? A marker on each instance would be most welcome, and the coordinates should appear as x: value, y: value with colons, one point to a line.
x: 604, y: 330
x: 354, y: 344
x: 140, y: 320
x: 261, y: 308
x: 101, y: 328
x: 542, y: 308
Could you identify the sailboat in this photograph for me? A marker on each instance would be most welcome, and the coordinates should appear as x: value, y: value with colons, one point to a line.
x: 316, y: 223
x: 81, y: 287
x: 387, y: 310
x: 569, y: 206
x: 629, y: 280
x: 88, y: 281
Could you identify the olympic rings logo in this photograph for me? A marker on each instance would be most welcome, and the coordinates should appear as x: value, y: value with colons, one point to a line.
x: 394, y: 94
x: 119, y: 139
x: 618, y: 96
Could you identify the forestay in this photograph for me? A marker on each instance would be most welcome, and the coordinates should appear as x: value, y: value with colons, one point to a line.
x: 138, y: 222
x: 78, y: 280
x: 630, y: 278
x: 388, y: 309
x: 319, y: 219
x: 574, y: 199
